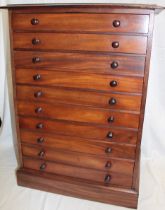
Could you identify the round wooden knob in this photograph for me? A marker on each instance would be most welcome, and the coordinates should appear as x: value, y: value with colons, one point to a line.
x: 43, y: 166
x: 110, y: 135
x: 111, y: 119
x: 41, y: 154
x: 115, y: 44
x: 39, y: 126
x: 34, y: 21
x: 113, y: 83
x: 40, y: 140
x: 108, y: 150
x: 114, y: 64
x: 108, y: 164
x: 37, y: 94
x: 35, y: 41
x: 36, y: 60
x: 112, y: 101
x: 107, y: 179
x: 37, y: 77
x: 38, y: 110
x: 116, y: 23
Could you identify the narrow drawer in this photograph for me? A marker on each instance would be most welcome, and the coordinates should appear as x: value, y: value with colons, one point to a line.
x: 79, y: 80
x: 79, y: 159
x: 87, y: 147
x: 80, y: 42
x: 78, y: 113
x: 81, y: 173
x: 81, y: 62
x: 103, y: 133
x: 82, y: 22
x: 86, y: 98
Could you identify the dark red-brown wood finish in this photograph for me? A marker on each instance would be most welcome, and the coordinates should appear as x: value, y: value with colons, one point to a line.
x: 80, y: 77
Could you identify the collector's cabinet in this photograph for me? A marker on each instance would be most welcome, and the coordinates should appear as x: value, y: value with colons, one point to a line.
x: 80, y: 79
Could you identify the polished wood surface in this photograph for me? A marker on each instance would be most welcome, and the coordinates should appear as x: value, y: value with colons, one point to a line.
x: 78, y: 114
x: 81, y: 62
x: 80, y: 42
x: 87, y: 98
x: 90, y: 132
x: 82, y: 173
x: 104, y: 150
x: 82, y: 22
x: 104, y: 162
x: 79, y: 80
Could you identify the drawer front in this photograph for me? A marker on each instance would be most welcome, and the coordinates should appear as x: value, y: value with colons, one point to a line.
x: 104, y: 133
x: 81, y: 173
x: 79, y: 159
x: 79, y: 62
x: 82, y: 146
x: 87, y: 98
x: 82, y: 22
x: 77, y: 80
x: 80, y: 42
x: 78, y: 114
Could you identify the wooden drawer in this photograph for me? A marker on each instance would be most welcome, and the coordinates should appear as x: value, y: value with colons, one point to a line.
x: 79, y: 80
x: 104, y: 133
x: 80, y: 42
x: 81, y: 173
x: 105, y: 163
x: 82, y: 22
x: 80, y: 62
x: 95, y: 148
x: 78, y: 113
x: 86, y: 98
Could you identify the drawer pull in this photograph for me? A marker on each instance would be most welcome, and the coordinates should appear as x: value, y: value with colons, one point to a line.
x: 113, y: 83
x: 35, y: 41
x: 38, y: 110
x: 114, y: 65
x: 108, y: 150
x: 37, y: 94
x: 40, y: 140
x: 110, y: 135
x: 37, y: 77
x: 112, y: 101
x: 34, y: 21
x: 108, y: 164
x: 36, y: 59
x: 41, y: 154
x: 116, y: 23
x: 39, y: 126
x: 111, y: 119
x: 43, y: 166
x: 115, y: 44
x: 107, y: 179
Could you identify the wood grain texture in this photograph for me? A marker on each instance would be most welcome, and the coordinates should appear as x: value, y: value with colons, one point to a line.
x: 118, y: 165
x: 107, y: 151
x: 79, y: 80
x: 78, y: 114
x: 77, y: 172
x: 82, y: 22
x: 79, y: 130
x: 80, y: 42
x: 86, y: 98
x: 81, y: 62
x: 76, y: 187
x: 71, y: 75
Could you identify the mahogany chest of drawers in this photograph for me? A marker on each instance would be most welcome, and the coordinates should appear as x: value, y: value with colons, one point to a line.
x: 80, y: 79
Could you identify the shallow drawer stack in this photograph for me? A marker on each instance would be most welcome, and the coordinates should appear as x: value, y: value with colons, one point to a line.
x: 79, y: 86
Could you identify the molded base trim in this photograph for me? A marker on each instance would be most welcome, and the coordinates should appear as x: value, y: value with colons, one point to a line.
x: 76, y: 188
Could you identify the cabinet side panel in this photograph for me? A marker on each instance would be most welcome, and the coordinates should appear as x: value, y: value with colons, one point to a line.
x: 145, y: 84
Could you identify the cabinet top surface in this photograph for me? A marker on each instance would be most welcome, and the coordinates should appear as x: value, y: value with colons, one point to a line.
x: 126, y: 6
